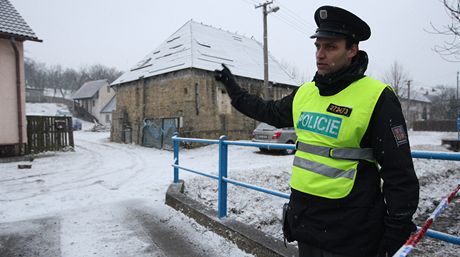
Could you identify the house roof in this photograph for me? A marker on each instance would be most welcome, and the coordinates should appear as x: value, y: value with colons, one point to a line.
x: 13, y: 25
x: 433, y: 98
x: 416, y: 96
x: 200, y: 46
x: 110, y: 106
x: 89, y: 89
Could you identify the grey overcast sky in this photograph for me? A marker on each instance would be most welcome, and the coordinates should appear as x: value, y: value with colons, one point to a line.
x: 118, y: 33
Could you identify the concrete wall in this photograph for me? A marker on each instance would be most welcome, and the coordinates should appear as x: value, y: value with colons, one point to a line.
x: 193, y: 96
x: 9, y: 131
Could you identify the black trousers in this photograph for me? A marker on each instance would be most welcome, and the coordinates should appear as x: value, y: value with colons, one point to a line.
x: 306, y: 250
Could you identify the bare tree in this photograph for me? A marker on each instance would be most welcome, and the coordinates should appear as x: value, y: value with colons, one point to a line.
x: 35, y: 74
x: 443, y: 105
x: 71, y: 79
x: 449, y: 50
x: 38, y: 75
x: 294, y: 72
x: 396, y: 77
x: 99, y: 71
x: 55, y: 79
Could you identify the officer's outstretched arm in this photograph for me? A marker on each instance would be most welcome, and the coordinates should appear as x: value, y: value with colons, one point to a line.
x: 277, y: 113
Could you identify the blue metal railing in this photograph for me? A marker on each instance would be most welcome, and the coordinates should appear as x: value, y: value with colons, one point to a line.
x: 223, y: 180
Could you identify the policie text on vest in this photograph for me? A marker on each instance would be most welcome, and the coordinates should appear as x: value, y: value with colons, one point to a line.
x: 320, y: 123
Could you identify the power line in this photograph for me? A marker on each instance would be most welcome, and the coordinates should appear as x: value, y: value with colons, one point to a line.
x: 300, y: 29
x: 253, y: 2
x: 299, y: 19
x: 288, y: 17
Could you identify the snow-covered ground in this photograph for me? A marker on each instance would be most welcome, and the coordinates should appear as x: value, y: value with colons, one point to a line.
x: 102, y: 195
x: 95, y: 194
x: 94, y: 190
x: 437, y: 179
x: 103, y: 199
x: 46, y: 109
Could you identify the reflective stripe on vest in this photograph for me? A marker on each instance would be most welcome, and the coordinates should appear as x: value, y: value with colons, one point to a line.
x: 323, y: 169
x: 338, y: 153
x: 329, y: 131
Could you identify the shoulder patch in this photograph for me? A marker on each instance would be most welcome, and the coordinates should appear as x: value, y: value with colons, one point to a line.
x: 400, y: 135
x: 341, y: 110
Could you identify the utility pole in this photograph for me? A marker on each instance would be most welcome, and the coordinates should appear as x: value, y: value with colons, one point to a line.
x: 408, y: 105
x: 457, y: 105
x: 457, y: 86
x: 265, y: 13
x: 457, y: 102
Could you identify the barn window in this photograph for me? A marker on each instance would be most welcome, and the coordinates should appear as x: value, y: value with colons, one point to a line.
x: 185, y: 90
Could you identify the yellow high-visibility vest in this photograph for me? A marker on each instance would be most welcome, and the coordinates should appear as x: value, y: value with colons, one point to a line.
x: 329, y: 131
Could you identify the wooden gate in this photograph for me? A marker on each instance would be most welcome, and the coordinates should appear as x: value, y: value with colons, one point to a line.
x: 48, y: 133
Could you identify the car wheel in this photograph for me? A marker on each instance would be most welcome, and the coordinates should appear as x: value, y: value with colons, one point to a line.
x: 289, y: 151
x: 263, y: 149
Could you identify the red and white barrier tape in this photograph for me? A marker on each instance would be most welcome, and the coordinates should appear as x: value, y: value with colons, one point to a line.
x: 415, y: 238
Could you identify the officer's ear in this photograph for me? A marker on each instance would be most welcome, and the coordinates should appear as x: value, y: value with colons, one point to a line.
x: 353, y: 50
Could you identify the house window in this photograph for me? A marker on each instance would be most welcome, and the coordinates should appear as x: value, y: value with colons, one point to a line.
x: 425, y: 113
x: 107, y: 118
x: 94, y: 103
x: 185, y: 90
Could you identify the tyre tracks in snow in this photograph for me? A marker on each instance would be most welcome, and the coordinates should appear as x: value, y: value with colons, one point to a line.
x: 89, y: 170
x: 132, y: 228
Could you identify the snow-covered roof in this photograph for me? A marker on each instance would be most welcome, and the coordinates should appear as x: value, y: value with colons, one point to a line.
x: 110, y: 106
x: 12, y: 24
x: 416, y: 96
x: 200, y: 46
x: 89, y: 89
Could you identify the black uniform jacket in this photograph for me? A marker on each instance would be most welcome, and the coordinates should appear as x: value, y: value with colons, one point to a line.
x: 374, y: 214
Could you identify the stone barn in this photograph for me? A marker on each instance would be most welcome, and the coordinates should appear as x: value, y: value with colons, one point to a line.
x: 173, y: 88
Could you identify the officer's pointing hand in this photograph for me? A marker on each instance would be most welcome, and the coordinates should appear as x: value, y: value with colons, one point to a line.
x: 225, y: 75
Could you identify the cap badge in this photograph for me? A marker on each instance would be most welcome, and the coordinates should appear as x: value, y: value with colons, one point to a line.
x: 323, y: 14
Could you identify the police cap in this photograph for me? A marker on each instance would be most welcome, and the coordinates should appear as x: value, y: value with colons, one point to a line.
x: 335, y: 22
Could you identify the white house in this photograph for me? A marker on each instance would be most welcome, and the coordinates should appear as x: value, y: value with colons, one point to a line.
x: 416, y: 107
x: 106, y: 112
x: 93, y: 96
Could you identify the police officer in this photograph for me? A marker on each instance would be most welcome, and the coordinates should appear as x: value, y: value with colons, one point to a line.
x: 353, y: 186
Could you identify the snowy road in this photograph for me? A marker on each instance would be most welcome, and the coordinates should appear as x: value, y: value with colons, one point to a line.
x: 104, y: 199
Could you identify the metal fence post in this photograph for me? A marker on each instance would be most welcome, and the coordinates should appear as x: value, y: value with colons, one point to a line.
x: 176, y: 156
x: 222, y: 187
x: 458, y: 128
